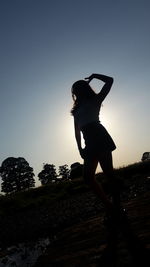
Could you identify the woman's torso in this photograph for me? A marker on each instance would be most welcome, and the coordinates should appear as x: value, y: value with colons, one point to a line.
x: 87, y: 112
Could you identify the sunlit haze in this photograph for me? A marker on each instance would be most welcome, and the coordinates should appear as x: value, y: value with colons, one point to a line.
x: 45, y: 47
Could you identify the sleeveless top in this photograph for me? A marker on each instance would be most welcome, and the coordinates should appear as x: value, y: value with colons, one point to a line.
x: 88, y: 112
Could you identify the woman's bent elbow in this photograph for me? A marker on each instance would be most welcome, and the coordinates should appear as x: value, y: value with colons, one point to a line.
x: 111, y: 80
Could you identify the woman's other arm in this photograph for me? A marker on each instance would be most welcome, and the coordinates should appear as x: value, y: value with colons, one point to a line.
x: 78, y: 137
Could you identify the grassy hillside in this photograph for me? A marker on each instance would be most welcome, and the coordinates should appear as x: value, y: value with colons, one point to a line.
x: 45, y: 210
x: 49, y: 194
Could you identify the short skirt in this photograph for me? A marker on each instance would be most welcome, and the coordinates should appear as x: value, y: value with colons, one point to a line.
x: 97, y: 139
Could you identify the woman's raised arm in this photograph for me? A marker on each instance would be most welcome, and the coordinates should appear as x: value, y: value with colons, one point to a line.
x: 107, y: 86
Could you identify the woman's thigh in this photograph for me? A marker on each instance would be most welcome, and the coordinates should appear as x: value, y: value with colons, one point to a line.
x: 89, y: 169
x: 106, y: 162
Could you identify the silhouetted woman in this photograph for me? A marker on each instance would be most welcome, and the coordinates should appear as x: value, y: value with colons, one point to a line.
x: 98, y: 143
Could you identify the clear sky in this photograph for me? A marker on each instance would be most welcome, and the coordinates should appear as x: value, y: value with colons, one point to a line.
x: 45, y: 46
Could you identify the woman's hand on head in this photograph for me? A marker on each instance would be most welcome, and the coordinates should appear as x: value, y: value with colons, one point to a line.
x: 90, y: 78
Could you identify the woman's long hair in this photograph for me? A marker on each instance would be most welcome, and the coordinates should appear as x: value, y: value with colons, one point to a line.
x: 81, y: 91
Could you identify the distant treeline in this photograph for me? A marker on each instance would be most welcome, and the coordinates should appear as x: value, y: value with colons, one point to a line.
x: 17, y: 175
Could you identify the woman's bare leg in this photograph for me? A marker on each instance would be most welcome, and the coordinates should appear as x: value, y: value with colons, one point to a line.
x: 106, y: 163
x: 89, y: 177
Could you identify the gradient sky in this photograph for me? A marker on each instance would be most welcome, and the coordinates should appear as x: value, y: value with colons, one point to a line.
x: 45, y: 46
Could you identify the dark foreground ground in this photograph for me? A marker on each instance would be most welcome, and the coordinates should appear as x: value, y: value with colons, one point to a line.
x: 73, y: 219
x: 85, y: 243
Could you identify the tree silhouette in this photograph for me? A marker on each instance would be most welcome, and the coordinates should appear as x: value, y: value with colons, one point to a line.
x: 64, y: 172
x: 146, y: 156
x: 16, y: 175
x: 76, y: 170
x: 48, y: 174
